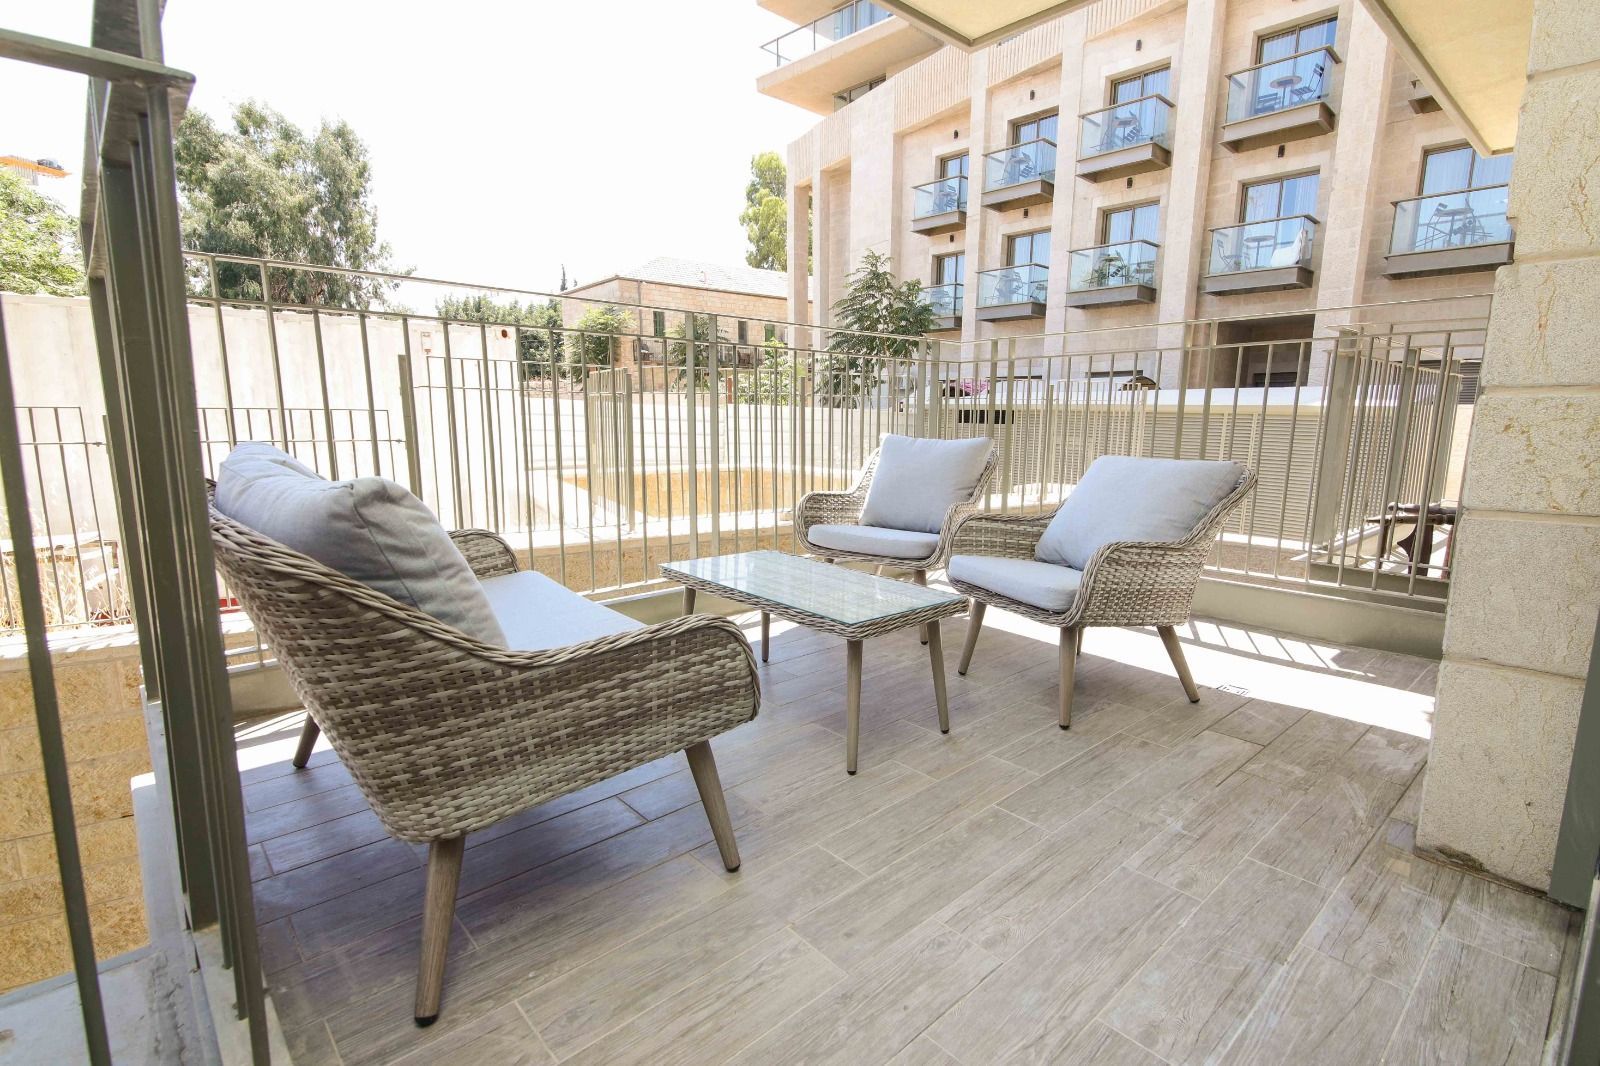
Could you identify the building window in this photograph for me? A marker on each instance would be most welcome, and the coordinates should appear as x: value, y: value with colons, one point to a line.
x: 744, y: 332
x: 1460, y: 168
x: 1025, y: 248
x: 1140, y: 223
x: 953, y: 166
x: 1034, y: 129
x: 856, y: 92
x: 769, y: 333
x: 949, y: 269
x: 658, y: 323
x: 1279, y: 198
x: 1150, y: 83
x: 1319, y: 34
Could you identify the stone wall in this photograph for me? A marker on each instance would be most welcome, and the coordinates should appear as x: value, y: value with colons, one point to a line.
x: 97, y: 683
x: 1527, y: 569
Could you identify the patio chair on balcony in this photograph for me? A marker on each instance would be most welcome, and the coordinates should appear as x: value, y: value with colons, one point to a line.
x: 1125, y: 549
x: 455, y: 688
x: 910, y: 496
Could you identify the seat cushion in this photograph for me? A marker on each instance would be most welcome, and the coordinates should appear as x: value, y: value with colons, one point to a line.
x: 1044, y: 585
x: 875, y: 540
x: 369, y: 529
x: 536, y: 613
x: 918, y: 480
x: 1122, y: 497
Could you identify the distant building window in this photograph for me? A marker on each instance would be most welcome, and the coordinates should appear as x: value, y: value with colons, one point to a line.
x: 1279, y: 198
x: 953, y: 166
x: 658, y: 323
x: 1025, y: 248
x: 856, y: 92
x: 744, y: 332
x: 1319, y: 34
x: 769, y: 332
x: 1141, y: 223
x: 1033, y: 129
x: 1456, y: 169
x: 1150, y: 83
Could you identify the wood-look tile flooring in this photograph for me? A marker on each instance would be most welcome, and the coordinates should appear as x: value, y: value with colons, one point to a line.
x: 1227, y: 882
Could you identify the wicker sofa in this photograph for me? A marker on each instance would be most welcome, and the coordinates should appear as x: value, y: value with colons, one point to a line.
x: 446, y: 735
x: 1124, y: 582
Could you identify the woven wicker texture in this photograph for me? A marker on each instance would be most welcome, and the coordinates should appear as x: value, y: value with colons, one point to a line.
x: 844, y: 508
x: 1127, y: 583
x: 445, y: 735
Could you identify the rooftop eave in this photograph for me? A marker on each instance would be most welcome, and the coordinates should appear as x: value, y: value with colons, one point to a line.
x: 971, y: 26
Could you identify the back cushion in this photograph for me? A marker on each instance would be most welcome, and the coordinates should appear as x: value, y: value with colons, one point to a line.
x: 918, y: 480
x: 1126, y: 498
x: 369, y: 529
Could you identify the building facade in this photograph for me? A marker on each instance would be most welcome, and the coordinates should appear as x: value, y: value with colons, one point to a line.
x: 1139, y: 163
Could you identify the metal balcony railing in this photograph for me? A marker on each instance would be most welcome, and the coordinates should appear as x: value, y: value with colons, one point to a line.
x: 1263, y: 245
x: 1280, y: 84
x: 1028, y: 161
x: 1451, y: 220
x: 946, y: 300
x: 1020, y: 284
x: 1123, y: 263
x: 1146, y: 120
x: 939, y: 197
x: 819, y: 34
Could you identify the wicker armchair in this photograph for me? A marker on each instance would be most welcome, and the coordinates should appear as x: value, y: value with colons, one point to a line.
x: 1126, y: 583
x: 445, y: 735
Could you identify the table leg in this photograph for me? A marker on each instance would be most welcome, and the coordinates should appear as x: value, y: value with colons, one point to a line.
x: 921, y: 578
x: 852, y: 703
x: 688, y: 600
x: 936, y: 659
x: 766, y: 633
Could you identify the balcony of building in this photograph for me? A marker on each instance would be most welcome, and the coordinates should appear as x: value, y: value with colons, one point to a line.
x: 849, y: 46
x: 939, y: 207
x: 1262, y: 256
x: 1125, y: 139
x: 1284, y: 100
x: 1450, y: 233
x: 1112, y: 274
x: 946, y: 301
x: 1013, y: 292
x: 1023, y: 175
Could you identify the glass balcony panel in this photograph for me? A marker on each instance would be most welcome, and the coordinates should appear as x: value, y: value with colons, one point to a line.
x: 1020, y: 284
x: 945, y: 299
x: 1125, y: 263
x: 1146, y: 120
x: 1029, y: 161
x: 1451, y: 220
x: 1264, y: 245
x: 1281, y: 84
x: 834, y: 26
x: 940, y: 197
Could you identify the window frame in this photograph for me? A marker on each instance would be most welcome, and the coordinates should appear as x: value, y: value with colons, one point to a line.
x: 1247, y: 184
x: 1104, y: 227
x: 939, y: 259
x: 1296, y: 28
x: 1010, y: 243
x: 942, y: 161
x: 1034, y: 120
x: 1139, y: 76
x: 1472, y: 171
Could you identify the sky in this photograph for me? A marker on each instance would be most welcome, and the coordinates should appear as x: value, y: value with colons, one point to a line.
x: 507, y: 138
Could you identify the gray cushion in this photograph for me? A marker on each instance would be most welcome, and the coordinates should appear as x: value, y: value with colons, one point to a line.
x: 1126, y: 498
x: 536, y: 613
x: 1044, y: 585
x: 369, y: 529
x: 876, y: 540
x: 918, y: 480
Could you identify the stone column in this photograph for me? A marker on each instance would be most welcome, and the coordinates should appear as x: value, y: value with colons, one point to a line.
x: 822, y: 250
x: 1526, y: 576
x: 977, y: 215
x: 1063, y: 206
x: 799, y: 245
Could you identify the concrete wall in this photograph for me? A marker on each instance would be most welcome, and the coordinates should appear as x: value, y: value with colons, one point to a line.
x: 1527, y: 580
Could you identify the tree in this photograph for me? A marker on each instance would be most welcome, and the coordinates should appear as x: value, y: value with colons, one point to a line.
x: 39, y: 250
x: 704, y: 351
x: 766, y: 213
x: 266, y: 188
x: 772, y: 381
x: 539, y: 327
x: 595, y: 347
x: 874, y: 302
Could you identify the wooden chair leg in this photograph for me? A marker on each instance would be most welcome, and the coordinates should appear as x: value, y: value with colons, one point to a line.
x: 438, y: 914
x: 308, y: 740
x: 766, y: 634
x: 704, y: 768
x: 921, y: 578
x: 974, y: 624
x: 688, y: 600
x: 1069, y: 668
x: 1179, y: 663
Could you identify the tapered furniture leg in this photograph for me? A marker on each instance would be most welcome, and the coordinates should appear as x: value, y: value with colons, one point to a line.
x: 1079, y: 646
x: 974, y: 624
x: 766, y: 634
x: 1069, y: 668
x: 852, y: 702
x: 704, y: 769
x: 936, y: 658
x: 921, y: 578
x: 688, y: 600
x: 308, y: 740
x: 438, y: 913
x: 1179, y: 663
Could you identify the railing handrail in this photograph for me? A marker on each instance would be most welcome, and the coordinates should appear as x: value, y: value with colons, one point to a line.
x: 1450, y: 192
x: 1263, y: 221
x: 1328, y: 48
x: 940, y: 181
x: 944, y: 285
x: 1128, y: 103
x: 1114, y: 244
x: 1013, y: 266
x: 1021, y: 144
x: 769, y: 48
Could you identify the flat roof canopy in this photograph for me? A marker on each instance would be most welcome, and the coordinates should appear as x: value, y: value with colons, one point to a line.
x: 970, y: 25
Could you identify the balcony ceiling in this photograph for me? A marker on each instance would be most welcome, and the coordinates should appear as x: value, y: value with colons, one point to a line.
x: 811, y: 81
x: 970, y: 25
x: 1472, y: 54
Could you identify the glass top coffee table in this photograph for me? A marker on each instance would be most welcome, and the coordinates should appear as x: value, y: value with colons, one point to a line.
x: 833, y: 599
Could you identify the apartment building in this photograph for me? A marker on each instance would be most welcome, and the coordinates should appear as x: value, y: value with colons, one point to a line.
x: 1135, y: 163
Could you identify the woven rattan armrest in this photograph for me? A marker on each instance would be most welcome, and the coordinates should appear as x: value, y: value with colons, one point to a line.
x: 487, y: 553
x: 835, y: 508
x: 1008, y: 536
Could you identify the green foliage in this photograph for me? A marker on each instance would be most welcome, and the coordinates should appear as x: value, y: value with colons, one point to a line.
x: 267, y: 188
x: 595, y: 345
x: 39, y: 250
x: 874, y: 301
x: 705, y: 351
x: 772, y: 381
x: 766, y: 213
x: 538, y: 333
